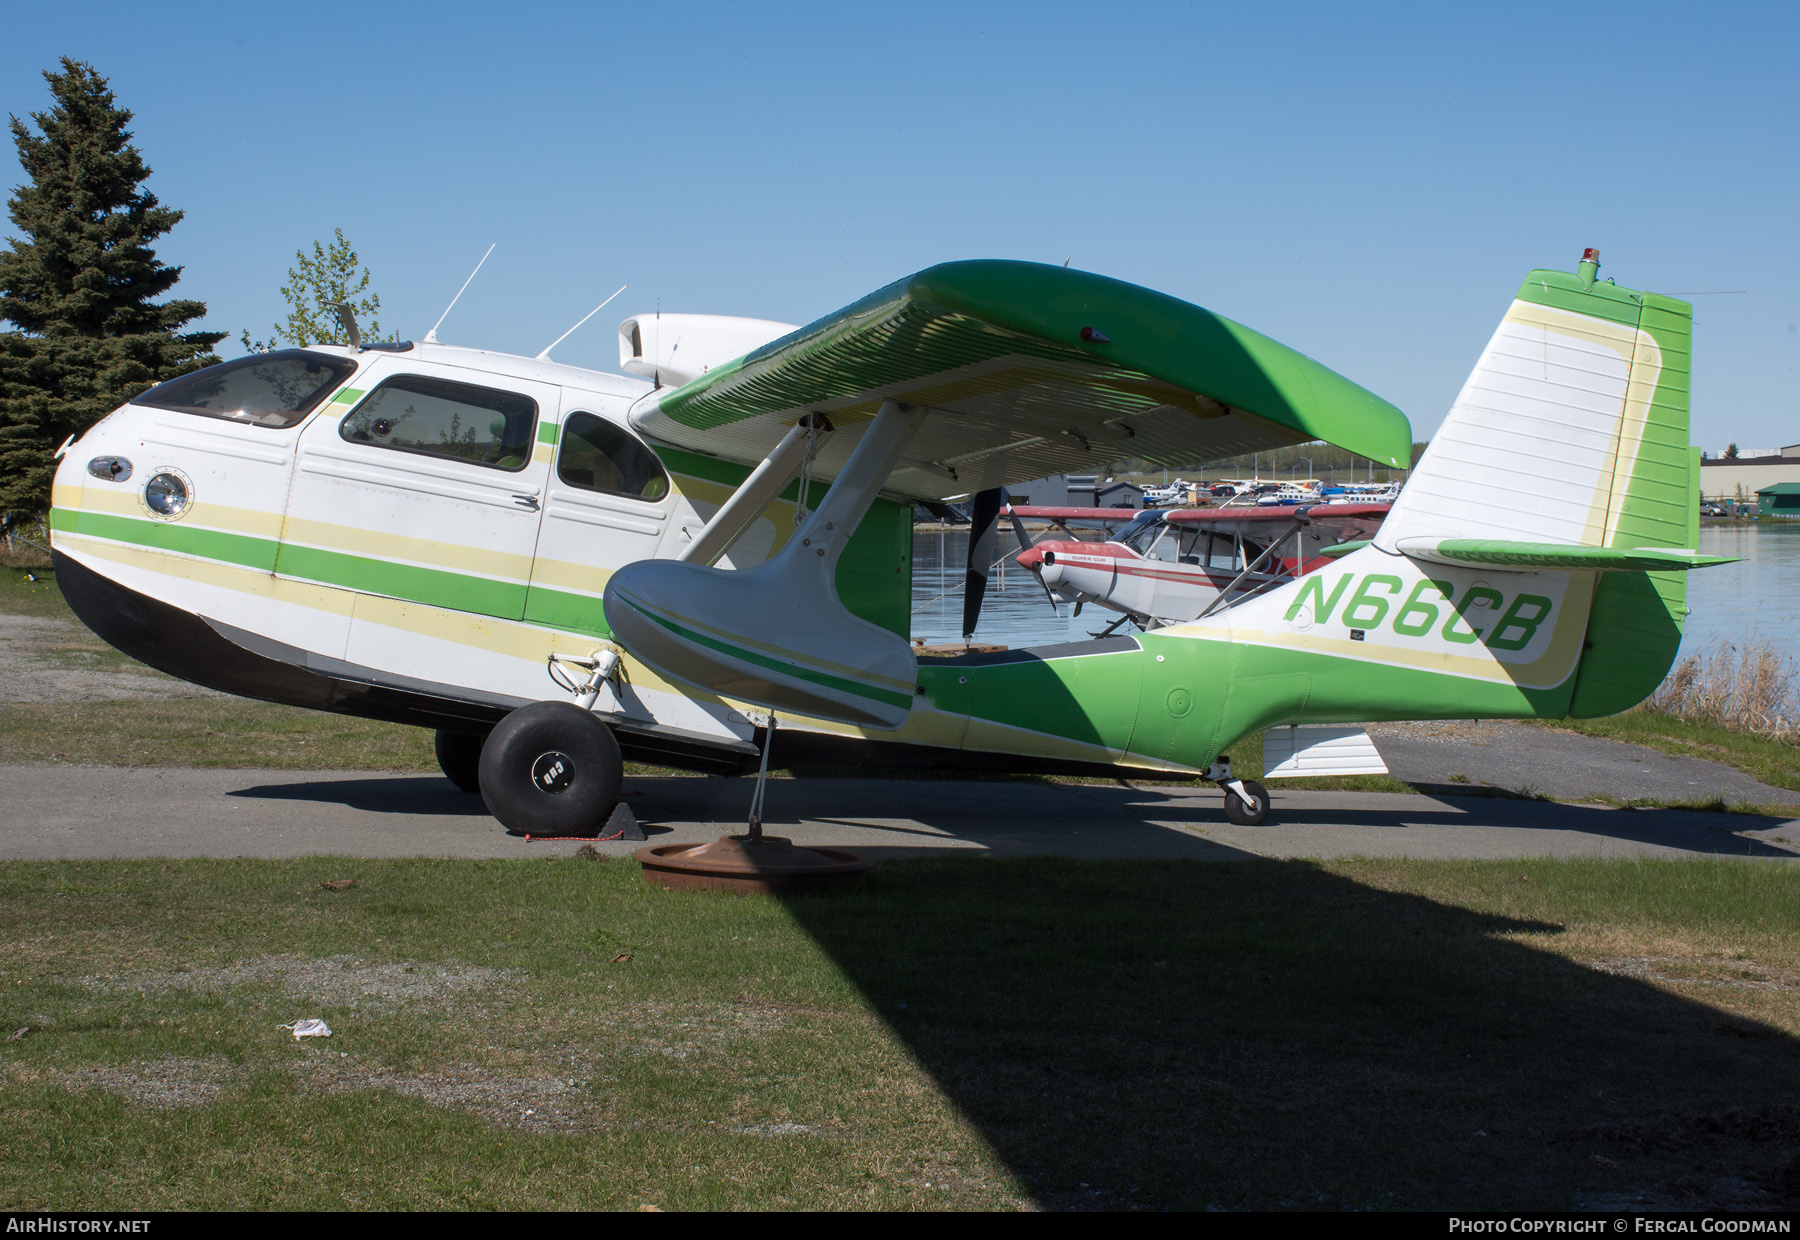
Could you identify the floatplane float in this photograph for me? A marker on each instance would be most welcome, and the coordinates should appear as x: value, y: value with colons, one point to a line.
x: 557, y: 568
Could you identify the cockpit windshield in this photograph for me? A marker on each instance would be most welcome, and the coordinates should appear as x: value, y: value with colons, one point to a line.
x: 1139, y: 532
x: 266, y: 389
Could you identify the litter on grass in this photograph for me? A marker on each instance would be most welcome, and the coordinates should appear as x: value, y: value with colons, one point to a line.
x: 308, y: 1029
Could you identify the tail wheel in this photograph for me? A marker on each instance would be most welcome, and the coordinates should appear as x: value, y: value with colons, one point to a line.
x: 551, y: 768
x: 459, y: 758
x: 1249, y: 810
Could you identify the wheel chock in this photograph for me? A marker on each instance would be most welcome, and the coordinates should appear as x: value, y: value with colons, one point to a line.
x: 622, y: 824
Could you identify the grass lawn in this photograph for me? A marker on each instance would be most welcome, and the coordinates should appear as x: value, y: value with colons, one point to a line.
x: 961, y: 1034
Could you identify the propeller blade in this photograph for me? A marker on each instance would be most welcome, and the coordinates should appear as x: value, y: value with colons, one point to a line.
x: 984, y: 521
x: 1026, y: 542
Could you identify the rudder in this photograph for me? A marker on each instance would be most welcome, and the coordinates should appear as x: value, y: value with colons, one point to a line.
x: 1636, y: 625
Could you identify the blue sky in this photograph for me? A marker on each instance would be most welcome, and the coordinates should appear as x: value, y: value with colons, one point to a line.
x: 1367, y: 183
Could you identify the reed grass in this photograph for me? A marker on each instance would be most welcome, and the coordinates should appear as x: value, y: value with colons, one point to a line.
x: 1744, y: 686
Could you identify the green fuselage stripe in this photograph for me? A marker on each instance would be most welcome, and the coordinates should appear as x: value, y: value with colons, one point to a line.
x: 572, y: 613
x: 774, y: 665
x: 244, y: 549
x: 435, y: 587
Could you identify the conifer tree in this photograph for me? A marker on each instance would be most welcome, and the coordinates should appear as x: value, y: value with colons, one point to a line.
x: 79, y: 284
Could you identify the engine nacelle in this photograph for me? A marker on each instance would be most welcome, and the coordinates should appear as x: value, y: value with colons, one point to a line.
x: 673, y: 349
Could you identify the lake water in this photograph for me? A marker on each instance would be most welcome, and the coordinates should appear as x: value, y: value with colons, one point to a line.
x: 1734, y: 601
x: 1754, y: 597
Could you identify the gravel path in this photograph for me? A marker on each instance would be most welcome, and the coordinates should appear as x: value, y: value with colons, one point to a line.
x: 44, y: 660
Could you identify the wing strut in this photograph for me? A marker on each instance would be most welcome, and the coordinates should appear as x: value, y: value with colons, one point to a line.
x: 776, y: 635
x: 758, y: 491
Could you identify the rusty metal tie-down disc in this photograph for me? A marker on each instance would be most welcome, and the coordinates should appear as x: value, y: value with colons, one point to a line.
x: 770, y: 864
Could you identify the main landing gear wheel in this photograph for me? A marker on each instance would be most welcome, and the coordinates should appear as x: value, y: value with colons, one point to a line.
x: 551, y: 768
x: 1247, y: 812
x: 459, y: 758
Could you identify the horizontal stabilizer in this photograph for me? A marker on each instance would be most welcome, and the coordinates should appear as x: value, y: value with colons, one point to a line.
x: 1297, y: 752
x: 1530, y: 557
x: 1343, y: 549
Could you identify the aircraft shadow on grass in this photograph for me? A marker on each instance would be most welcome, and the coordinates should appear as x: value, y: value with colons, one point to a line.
x: 1269, y: 1034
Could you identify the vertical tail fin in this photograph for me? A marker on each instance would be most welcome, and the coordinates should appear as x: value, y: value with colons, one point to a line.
x: 1573, y: 429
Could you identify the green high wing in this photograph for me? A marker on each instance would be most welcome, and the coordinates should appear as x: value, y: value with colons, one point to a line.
x: 1025, y: 370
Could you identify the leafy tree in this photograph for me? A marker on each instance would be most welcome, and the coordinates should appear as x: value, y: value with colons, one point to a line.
x: 315, y: 287
x: 79, y: 283
x: 1731, y: 451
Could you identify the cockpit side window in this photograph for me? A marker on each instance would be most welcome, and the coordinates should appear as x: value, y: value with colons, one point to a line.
x: 1165, y: 546
x: 596, y: 455
x: 274, y: 389
x: 1222, y: 551
x: 436, y: 417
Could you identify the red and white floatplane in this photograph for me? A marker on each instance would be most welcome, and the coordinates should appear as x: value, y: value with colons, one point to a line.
x: 1166, y: 566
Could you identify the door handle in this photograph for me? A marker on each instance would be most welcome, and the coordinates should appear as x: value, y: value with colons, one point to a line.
x: 527, y: 502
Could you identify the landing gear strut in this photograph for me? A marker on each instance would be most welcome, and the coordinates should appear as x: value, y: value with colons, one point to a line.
x: 752, y: 861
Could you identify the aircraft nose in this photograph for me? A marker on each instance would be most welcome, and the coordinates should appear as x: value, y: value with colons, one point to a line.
x: 1041, y: 559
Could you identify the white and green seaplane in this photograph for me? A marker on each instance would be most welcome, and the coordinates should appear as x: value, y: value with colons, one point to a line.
x: 558, y: 569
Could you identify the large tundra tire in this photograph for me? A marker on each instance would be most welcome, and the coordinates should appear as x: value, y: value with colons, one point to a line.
x: 459, y: 758
x: 551, y: 768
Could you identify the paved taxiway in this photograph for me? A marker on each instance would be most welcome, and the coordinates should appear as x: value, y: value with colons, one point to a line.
x: 52, y: 812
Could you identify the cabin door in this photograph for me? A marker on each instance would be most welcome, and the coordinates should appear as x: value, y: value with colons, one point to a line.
x: 608, y: 503
x: 427, y: 492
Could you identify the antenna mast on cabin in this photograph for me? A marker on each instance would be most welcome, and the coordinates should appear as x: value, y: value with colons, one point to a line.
x: 431, y: 336
x: 545, y: 355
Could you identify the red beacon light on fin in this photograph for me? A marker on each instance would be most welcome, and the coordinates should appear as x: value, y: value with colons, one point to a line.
x: 1094, y: 335
x: 1589, y: 271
